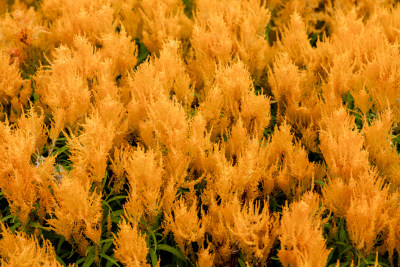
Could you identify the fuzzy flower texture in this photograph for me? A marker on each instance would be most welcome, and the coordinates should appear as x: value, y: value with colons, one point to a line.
x: 199, y: 133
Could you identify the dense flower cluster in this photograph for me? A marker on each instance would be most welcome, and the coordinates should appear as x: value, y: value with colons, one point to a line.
x: 199, y: 133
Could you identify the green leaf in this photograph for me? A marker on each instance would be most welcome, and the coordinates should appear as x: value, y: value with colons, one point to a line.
x: 60, y: 242
x: 106, y: 247
x: 90, y: 258
x: 172, y: 250
x: 116, y: 216
x: 37, y: 225
x: 65, y: 254
x: 153, y: 257
x: 115, y: 198
x: 61, y: 149
x: 154, y: 239
x: 118, y: 213
x: 241, y: 263
x: 7, y: 217
x: 327, y: 226
x: 342, y: 235
x: 105, y: 179
x: 60, y: 260
x: 143, y: 51
x: 109, y: 260
x: 116, y: 219
x: 15, y: 226
x: 109, y: 264
x: 345, y: 250
x: 57, y: 168
x: 106, y: 204
x: 372, y: 263
x: 321, y: 183
x: 80, y: 261
x: 106, y: 240
x: 72, y: 253
x: 331, y: 255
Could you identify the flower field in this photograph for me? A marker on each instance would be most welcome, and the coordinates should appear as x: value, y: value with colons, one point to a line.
x: 199, y: 133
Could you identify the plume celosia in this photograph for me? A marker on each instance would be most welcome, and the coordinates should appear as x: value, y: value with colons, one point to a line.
x: 222, y: 31
x: 89, y: 151
x: 239, y: 106
x: 368, y: 214
x: 19, y: 249
x: 199, y: 144
x: 382, y: 80
x: 310, y: 11
x: 232, y: 96
x: 120, y: 49
x: 350, y: 35
x: 14, y: 92
x: 287, y: 163
x: 11, y: 80
x: 388, y: 19
x: 255, y: 229
x: 300, y: 234
x: 64, y: 87
x: 391, y: 235
x: 33, y: 124
x: 295, y: 41
x: 166, y: 129
x: 217, y: 219
x: 184, y: 223
x: 342, y: 145
x: 340, y: 78
x: 70, y: 18
x: 162, y: 77
x: 287, y: 82
x: 247, y: 227
x: 130, y: 245
x: 117, y: 160
x: 380, y: 149
x: 163, y: 20
x: 77, y: 214
x: 144, y: 171
x: 336, y: 195
x: 206, y: 257
x: 22, y: 182
x: 22, y: 35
